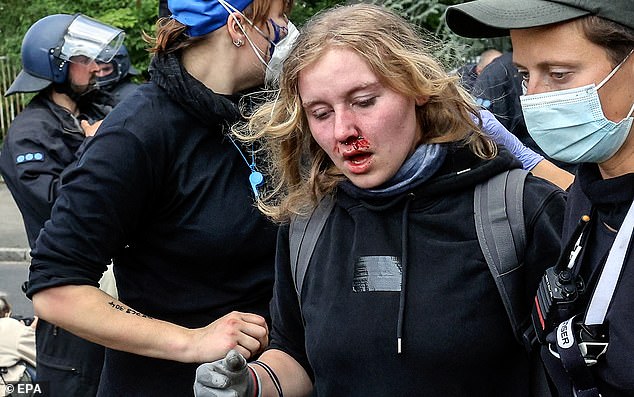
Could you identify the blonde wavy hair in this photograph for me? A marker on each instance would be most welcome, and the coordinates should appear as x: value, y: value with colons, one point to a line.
x: 299, y: 173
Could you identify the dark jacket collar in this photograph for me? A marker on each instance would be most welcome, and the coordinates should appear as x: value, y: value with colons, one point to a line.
x: 605, y: 191
x: 67, y: 120
x: 168, y: 73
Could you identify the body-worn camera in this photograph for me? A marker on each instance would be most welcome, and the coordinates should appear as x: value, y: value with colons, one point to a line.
x: 559, y: 288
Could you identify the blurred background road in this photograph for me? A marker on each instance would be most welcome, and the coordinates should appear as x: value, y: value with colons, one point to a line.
x: 14, y: 254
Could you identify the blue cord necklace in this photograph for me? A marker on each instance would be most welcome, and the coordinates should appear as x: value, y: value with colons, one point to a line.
x: 255, y: 178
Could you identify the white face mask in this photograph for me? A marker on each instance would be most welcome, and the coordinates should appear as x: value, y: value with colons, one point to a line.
x: 569, y: 125
x: 275, y: 44
x: 282, y: 49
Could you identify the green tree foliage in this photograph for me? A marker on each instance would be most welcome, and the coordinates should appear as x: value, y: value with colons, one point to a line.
x: 304, y: 9
x: 452, y: 49
x: 137, y: 16
x: 133, y: 16
x: 428, y: 15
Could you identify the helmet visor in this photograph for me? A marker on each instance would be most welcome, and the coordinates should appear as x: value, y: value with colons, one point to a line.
x: 88, y: 40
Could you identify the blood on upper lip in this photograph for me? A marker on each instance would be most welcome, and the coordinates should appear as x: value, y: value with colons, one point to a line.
x: 357, y: 142
x: 360, y: 143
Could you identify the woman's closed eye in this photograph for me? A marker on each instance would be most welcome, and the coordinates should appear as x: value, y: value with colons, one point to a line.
x: 320, y: 114
x: 364, y: 102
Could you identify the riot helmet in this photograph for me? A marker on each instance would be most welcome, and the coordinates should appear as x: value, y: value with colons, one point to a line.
x: 53, y: 41
x: 114, y: 71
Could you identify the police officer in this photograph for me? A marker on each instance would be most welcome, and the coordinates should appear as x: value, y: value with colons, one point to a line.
x: 115, y: 76
x: 576, y: 60
x: 59, y: 54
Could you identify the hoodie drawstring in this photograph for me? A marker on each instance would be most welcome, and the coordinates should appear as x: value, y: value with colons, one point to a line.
x: 401, y: 300
x: 404, y: 244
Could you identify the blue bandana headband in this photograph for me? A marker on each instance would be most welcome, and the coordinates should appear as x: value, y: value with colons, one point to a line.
x: 203, y: 16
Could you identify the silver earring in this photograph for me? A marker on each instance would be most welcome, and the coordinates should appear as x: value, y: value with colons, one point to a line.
x: 238, y: 43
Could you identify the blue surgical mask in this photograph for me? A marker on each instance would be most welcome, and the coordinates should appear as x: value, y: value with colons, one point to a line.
x: 569, y: 125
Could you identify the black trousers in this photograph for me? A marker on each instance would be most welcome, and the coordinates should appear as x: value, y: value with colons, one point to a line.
x: 71, y: 366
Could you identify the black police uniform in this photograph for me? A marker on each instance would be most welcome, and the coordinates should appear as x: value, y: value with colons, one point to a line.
x: 43, y: 141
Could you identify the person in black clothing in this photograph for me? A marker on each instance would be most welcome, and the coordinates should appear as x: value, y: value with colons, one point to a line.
x: 469, y: 73
x: 44, y: 141
x: 164, y: 191
x: 115, y: 77
x: 44, y: 138
x: 498, y: 89
x: 398, y: 299
x: 576, y: 61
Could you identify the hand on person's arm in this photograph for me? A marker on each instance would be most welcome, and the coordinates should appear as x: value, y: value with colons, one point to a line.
x: 531, y: 160
x: 227, y: 377
x: 94, y: 315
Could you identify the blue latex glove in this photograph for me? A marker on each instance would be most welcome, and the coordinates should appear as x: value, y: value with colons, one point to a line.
x: 228, y: 377
x: 502, y: 136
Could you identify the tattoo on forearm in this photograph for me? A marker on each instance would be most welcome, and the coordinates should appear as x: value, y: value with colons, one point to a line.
x: 127, y: 310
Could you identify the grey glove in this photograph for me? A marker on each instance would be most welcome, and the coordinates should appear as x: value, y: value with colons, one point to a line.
x: 228, y: 377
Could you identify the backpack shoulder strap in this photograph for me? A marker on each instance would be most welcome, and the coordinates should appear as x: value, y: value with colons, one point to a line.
x: 499, y: 221
x: 303, y: 235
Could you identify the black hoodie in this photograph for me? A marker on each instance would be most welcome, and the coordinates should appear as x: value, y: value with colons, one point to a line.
x: 457, y: 339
